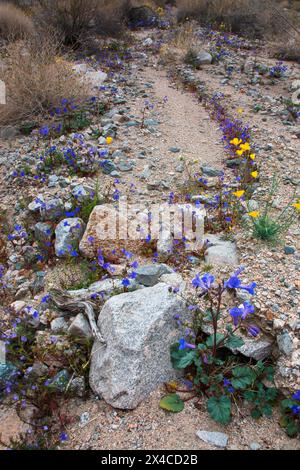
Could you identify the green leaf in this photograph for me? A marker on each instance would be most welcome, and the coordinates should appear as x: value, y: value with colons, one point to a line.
x: 271, y: 394
x: 204, y: 379
x: 292, y: 429
x: 256, y: 413
x: 219, y: 409
x: 249, y: 395
x: 243, y: 377
x: 181, y: 358
x: 210, y: 340
x: 172, y: 403
x: 267, y: 410
x: 234, y: 342
x: 287, y: 404
x: 270, y: 371
x: 187, y: 360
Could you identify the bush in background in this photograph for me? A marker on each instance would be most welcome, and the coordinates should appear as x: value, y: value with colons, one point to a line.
x: 247, y: 17
x: 14, y: 23
x: 72, y: 19
x: 36, y: 79
x: 288, y: 51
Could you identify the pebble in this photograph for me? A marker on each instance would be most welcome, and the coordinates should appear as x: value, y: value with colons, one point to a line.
x: 218, y: 439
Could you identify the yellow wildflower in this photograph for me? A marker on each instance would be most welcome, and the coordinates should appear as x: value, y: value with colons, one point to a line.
x: 235, y: 141
x: 239, y: 193
x: 239, y: 152
x: 109, y: 140
x: 254, y: 214
x: 254, y: 174
x: 240, y: 110
x: 297, y: 206
x: 252, y: 156
x: 245, y: 146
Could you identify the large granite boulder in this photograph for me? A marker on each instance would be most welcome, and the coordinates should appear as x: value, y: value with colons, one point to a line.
x: 138, y: 328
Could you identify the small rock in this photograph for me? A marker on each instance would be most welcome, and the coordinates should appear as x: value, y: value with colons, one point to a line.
x: 43, y: 232
x: 208, y: 171
x: 7, y: 374
x: 289, y: 250
x: 68, y: 234
x: 80, y: 329
x: 59, y: 325
x: 255, y: 446
x: 60, y: 381
x: 220, y: 252
x: 285, y: 343
x: 77, y: 386
x: 218, y: 439
x: 149, y: 275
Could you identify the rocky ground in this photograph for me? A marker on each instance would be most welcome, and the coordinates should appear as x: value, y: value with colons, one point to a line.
x: 162, y: 134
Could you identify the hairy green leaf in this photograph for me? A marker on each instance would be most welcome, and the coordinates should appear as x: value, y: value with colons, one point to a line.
x: 243, y: 377
x: 219, y: 409
x: 234, y: 342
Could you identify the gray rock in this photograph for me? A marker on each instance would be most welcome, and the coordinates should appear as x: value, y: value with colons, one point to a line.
x: 209, y: 171
x: 77, y: 386
x: 255, y: 446
x: 218, y: 439
x: 59, y: 325
x: 82, y: 193
x: 68, y: 234
x: 52, y: 210
x: 43, y: 232
x: 204, y: 58
x: 52, y: 181
x: 174, y: 280
x: 174, y: 149
x: 125, y: 166
x: 138, y: 328
x: 220, y: 252
x: 165, y: 245
x: 108, y: 167
x: 285, y: 343
x: 289, y: 250
x: 80, y: 329
x: 258, y: 349
x: 102, y: 289
x: 8, y: 372
x: 60, y: 381
x: 149, y: 274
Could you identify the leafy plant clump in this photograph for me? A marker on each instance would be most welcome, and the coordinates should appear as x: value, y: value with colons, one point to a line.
x: 290, y: 419
x: 269, y: 228
x: 212, y: 370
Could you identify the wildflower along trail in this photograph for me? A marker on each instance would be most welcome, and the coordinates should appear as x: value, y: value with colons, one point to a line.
x: 157, y: 131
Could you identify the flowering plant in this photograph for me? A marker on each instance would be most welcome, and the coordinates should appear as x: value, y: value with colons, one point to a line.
x: 213, y: 370
x: 290, y: 419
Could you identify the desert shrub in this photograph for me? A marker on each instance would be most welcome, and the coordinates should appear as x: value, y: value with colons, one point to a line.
x: 250, y: 17
x: 288, y: 51
x: 109, y: 18
x: 14, y: 23
x: 36, y: 79
x: 72, y: 19
x: 77, y: 20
